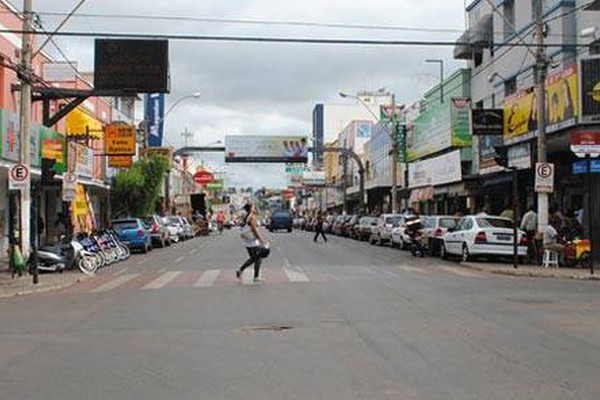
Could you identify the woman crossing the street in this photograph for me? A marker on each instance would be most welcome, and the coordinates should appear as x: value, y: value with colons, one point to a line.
x: 256, y: 246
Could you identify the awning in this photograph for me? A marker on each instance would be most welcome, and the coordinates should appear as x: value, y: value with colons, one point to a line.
x: 483, y: 34
x: 463, y: 50
x: 452, y: 189
x: 77, y: 121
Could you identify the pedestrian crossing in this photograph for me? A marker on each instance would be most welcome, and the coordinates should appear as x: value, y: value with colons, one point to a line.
x: 164, y: 279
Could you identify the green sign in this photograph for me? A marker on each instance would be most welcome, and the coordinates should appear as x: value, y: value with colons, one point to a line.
x: 460, y: 120
x: 217, y: 184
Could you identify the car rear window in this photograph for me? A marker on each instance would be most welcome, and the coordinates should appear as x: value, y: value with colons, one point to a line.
x: 122, y: 225
x: 428, y: 222
x: 173, y: 220
x: 281, y: 214
x: 494, y: 223
x: 448, y: 223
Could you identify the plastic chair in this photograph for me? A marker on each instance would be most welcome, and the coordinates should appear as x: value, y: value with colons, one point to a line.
x: 550, y: 258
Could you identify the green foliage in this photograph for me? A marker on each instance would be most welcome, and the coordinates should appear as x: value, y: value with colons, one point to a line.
x: 136, y: 191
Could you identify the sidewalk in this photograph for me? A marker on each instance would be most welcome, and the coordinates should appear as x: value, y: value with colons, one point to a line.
x: 533, y: 271
x: 23, y: 285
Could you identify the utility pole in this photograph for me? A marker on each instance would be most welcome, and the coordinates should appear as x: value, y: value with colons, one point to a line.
x: 24, y: 124
x: 541, y: 66
x: 394, y: 134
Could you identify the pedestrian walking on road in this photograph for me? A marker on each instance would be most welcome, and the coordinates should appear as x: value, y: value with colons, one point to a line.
x: 256, y: 246
x: 319, y: 228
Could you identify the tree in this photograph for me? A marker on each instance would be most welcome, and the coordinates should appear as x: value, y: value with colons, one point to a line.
x: 136, y: 191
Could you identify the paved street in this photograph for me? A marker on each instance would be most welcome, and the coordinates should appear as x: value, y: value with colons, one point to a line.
x: 341, y: 320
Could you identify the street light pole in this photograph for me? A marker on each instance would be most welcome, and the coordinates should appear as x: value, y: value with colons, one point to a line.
x: 394, y: 157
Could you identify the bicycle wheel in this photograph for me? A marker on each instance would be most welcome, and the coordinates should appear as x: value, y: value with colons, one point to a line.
x: 87, y: 265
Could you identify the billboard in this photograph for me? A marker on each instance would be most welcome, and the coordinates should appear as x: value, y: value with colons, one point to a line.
x: 316, y: 178
x: 155, y: 111
x: 119, y: 140
x: 590, y: 90
x: 460, y: 122
x: 435, y: 171
x: 141, y: 66
x: 520, y: 109
x: 266, y: 149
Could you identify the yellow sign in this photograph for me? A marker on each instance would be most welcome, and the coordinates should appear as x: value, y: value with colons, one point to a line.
x: 82, y: 215
x: 520, y: 109
x: 119, y: 140
x: 80, y: 123
x: 165, y: 151
x: 53, y: 149
x: 120, y: 161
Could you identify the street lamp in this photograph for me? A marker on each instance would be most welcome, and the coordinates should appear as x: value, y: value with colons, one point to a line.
x: 441, y: 62
x: 394, y: 143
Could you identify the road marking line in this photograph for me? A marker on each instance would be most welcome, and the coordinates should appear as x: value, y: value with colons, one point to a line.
x: 178, y: 260
x: 162, y: 280
x: 208, y: 278
x: 113, y: 284
x: 461, y: 272
x: 295, y: 275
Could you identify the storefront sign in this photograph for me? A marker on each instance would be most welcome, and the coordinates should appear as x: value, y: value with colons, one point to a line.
x: 266, y: 149
x: 120, y: 161
x: 590, y: 90
x: 119, y: 140
x: 203, y: 177
x: 544, y: 178
x: 581, y: 167
x: 431, y: 132
x: 82, y: 215
x: 81, y: 160
x: 519, y: 156
x: 9, y: 124
x: 436, y: 171
x: 488, y: 121
x: 585, y: 144
x: 520, y: 109
x: 78, y: 122
x: 316, y: 178
x: 164, y: 151
x: 460, y: 121
x: 53, y: 149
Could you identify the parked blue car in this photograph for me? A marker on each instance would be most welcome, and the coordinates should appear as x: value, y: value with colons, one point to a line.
x: 134, y: 233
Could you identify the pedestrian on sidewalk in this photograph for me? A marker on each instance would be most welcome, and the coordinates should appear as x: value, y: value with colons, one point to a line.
x: 319, y: 228
x: 256, y: 246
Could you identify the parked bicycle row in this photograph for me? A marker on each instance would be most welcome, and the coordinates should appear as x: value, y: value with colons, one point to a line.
x: 465, y: 238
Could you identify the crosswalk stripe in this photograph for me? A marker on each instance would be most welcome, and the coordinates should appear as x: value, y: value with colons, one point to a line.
x: 114, y: 283
x: 295, y: 275
x: 207, y: 278
x: 162, y: 280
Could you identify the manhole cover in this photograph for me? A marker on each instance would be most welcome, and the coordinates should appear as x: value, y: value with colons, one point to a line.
x: 266, y: 328
x: 529, y: 301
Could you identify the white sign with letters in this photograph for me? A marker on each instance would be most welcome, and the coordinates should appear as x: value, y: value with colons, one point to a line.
x: 544, y: 177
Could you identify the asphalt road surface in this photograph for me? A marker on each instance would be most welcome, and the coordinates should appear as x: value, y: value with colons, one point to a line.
x: 335, y: 320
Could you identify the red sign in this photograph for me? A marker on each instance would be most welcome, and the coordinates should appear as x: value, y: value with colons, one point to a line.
x: 203, y: 177
x: 585, y: 143
x: 288, y: 194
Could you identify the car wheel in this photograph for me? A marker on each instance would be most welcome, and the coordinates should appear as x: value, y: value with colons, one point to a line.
x: 289, y: 230
x: 465, y: 256
x: 145, y: 249
x: 371, y: 241
x: 443, y: 252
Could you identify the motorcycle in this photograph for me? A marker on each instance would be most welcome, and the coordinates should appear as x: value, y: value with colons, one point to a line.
x: 63, y: 255
x: 415, y: 235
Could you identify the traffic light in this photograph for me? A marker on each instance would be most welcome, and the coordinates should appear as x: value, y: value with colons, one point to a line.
x: 48, y: 170
x: 501, y: 157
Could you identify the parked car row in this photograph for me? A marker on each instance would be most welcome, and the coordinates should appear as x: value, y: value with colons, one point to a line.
x: 443, y: 235
x: 154, y: 231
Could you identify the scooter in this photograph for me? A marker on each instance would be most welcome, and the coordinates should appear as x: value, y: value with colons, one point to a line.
x: 47, y: 261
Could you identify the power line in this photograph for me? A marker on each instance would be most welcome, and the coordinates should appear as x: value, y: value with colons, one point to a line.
x: 266, y: 39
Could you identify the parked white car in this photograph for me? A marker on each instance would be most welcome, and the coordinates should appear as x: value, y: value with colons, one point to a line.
x: 175, y: 227
x: 382, y: 232
x: 482, y: 236
x: 434, y: 229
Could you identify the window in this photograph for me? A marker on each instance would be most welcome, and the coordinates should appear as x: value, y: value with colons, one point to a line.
x: 510, y: 86
x: 494, y: 223
x: 477, y: 57
x: 509, y: 19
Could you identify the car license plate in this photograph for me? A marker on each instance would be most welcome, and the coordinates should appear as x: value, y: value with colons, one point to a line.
x: 504, y: 237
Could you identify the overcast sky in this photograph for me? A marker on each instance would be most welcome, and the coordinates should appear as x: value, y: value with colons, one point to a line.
x: 255, y: 88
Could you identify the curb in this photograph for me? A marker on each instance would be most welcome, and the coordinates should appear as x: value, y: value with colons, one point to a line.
x: 529, y: 274
x: 33, y: 290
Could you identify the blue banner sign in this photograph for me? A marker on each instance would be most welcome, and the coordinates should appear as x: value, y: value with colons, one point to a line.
x: 155, y: 109
x: 581, y: 167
